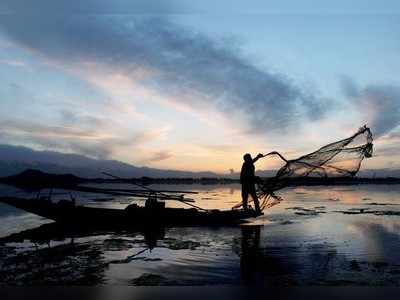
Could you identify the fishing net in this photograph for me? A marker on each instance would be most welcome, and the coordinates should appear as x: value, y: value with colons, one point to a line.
x: 339, y: 159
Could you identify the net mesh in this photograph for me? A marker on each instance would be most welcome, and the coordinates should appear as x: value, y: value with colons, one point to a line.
x: 339, y: 159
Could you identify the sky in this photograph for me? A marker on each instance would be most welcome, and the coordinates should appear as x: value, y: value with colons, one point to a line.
x: 193, y: 85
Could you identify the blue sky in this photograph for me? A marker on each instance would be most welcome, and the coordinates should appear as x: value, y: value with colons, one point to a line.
x: 190, y: 85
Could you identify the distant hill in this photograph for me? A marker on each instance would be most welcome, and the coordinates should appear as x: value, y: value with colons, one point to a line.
x: 37, y: 178
x: 384, y: 172
x: 16, y: 159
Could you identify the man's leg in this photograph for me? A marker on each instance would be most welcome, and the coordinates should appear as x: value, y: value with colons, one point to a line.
x: 255, y: 198
x: 245, y: 196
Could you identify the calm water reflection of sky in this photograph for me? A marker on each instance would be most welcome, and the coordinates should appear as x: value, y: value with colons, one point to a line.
x: 306, y: 239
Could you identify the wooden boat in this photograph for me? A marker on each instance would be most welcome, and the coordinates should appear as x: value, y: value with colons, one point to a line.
x: 67, y: 212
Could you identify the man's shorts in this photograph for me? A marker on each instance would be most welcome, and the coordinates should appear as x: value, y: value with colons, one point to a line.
x: 248, y: 189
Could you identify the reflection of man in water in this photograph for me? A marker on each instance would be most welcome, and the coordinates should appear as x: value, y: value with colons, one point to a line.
x: 251, y: 259
x: 248, y: 180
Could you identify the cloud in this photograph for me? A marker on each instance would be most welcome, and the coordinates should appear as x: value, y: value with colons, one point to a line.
x: 95, y: 7
x: 393, y: 136
x: 184, y: 65
x: 82, y: 141
x: 379, y: 105
x: 73, y: 118
x: 388, y: 145
x: 387, y: 151
x: 46, y: 131
x: 14, y: 63
x: 160, y: 155
x: 88, y: 139
x: 220, y: 148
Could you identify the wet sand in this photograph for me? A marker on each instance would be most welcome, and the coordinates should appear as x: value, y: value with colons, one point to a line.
x: 316, y: 236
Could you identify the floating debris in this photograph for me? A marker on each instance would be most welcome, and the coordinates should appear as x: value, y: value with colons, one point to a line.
x: 305, y: 211
x: 367, y: 211
x: 120, y: 244
x: 387, y: 213
x: 299, y: 208
x: 152, y: 259
x: 308, y: 213
x: 151, y: 279
x: 175, y: 244
x: 287, y: 222
x: 382, y: 204
x: 362, y: 209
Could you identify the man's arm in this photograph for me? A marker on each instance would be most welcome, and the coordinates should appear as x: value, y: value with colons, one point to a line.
x: 257, y: 157
x: 241, y: 175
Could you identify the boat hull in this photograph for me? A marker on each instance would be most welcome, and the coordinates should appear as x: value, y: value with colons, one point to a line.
x: 66, y: 212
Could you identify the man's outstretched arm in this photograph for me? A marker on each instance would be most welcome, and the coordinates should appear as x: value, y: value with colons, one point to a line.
x: 257, y: 157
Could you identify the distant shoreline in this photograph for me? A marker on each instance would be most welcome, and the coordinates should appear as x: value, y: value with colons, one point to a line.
x: 35, y: 178
x: 291, y: 182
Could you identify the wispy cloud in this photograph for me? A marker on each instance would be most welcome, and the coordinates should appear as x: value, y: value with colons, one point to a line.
x: 15, y: 63
x: 91, y: 140
x: 159, y: 156
x: 171, y: 60
x: 379, y: 104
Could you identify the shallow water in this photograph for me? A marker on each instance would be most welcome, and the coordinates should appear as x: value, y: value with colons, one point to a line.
x: 336, y: 235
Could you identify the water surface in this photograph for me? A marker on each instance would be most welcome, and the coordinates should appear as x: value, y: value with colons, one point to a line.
x: 336, y: 235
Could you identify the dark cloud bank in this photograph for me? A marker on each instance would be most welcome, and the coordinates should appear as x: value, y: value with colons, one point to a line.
x: 185, y: 63
x: 380, y: 103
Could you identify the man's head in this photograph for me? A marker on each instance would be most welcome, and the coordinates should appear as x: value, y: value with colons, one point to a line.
x: 247, y: 157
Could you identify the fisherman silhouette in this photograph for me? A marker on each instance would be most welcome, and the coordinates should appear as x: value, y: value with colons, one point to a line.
x: 248, y: 180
